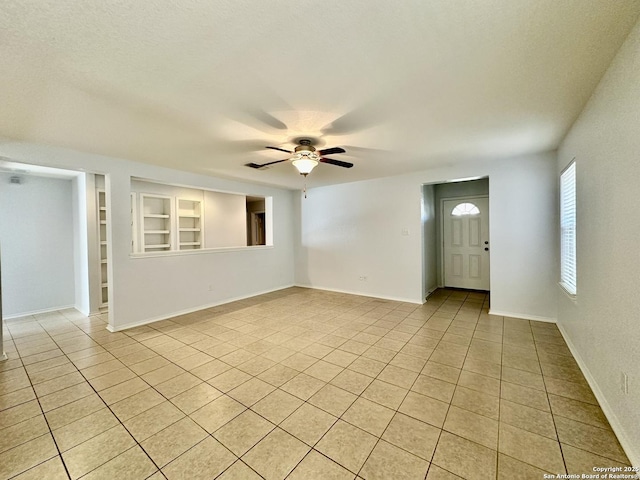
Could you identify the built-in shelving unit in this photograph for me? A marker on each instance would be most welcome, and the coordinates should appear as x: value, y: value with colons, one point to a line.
x: 155, y: 222
x: 189, y: 224
x: 101, y: 203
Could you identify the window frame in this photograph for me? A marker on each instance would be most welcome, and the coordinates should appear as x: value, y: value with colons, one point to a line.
x: 568, y: 229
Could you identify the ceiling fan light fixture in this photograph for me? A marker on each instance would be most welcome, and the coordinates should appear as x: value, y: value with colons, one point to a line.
x: 305, y: 162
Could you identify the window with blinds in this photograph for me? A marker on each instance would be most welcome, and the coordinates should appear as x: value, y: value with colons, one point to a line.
x: 568, y: 229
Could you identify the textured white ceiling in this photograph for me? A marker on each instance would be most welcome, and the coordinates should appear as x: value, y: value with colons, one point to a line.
x: 205, y: 85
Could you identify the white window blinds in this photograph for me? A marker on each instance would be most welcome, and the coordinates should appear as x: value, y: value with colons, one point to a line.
x: 568, y: 229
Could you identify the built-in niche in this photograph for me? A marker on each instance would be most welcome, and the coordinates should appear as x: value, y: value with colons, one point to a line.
x: 170, y: 218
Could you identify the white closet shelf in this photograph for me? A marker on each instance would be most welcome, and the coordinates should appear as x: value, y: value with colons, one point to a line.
x: 159, y: 245
x: 156, y: 215
x: 189, y: 215
x: 186, y: 244
x: 150, y: 232
x: 189, y: 229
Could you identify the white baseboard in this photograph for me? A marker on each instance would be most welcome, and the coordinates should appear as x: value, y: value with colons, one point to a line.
x: 191, y: 310
x: 3, y: 357
x: 523, y: 316
x: 632, y: 451
x: 362, y: 294
x: 36, y: 312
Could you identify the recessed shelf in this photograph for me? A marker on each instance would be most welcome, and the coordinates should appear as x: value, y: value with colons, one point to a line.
x: 189, y: 243
x: 160, y: 245
x: 189, y: 229
x: 157, y: 232
x: 156, y: 215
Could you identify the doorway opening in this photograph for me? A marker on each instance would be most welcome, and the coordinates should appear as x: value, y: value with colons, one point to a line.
x: 456, y: 243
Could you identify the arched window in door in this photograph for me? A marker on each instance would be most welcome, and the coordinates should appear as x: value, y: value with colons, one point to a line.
x: 465, y: 209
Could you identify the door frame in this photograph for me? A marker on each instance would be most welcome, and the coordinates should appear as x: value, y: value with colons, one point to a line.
x: 441, y: 244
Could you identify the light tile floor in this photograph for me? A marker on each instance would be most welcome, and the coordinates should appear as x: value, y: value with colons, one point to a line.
x: 299, y: 384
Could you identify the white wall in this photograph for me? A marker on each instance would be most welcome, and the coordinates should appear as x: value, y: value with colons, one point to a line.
x: 603, y: 324
x: 356, y: 229
x: 37, y: 237
x: 226, y: 220
x: 430, y: 240
x: 144, y: 289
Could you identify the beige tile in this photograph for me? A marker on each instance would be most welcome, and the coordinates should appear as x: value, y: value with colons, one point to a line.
x: 379, y: 354
x: 353, y: 382
x: 412, y: 435
x: 437, y: 473
x: 251, y: 391
x: 276, y: 455
x: 239, y: 471
x: 162, y: 374
x: 323, y: 371
x: 85, y: 428
x: 136, y: 404
x: 191, y: 400
x: 123, y: 390
x: 340, y: 358
x: 388, y: 461
x: 580, y: 411
x: 26, y: 456
x: 308, y: 423
x: 102, y: 368
x: 479, y: 383
x: 512, y: 469
x: 432, y: 387
x: 332, y: 399
x: 256, y: 365
x: 173, y: 441
x: 580, y: 461
x: 536, y: 450
x: 243, y: 432
x: 367, y: 366
x: 524, y: 396
x: 385, y: 394
x: 527, y: 418
x: 424, y: 408
x: 277, y: 406
x: 299, y: 361
x: 22, y: 432
x: 59, y: 383
x: 600, y: 441
x: 369, y: 416
x: 441, y: 372
x: 16, y: 397
x: 318, y: 467
x: 521, y: 377
x: 132, y: 464
x: 19, y: 413
x: 51, y: 373
x: 465, y: 458
x: 178, y: 385
x: 204, y: 461
x: 476, y: 402
x: 50, y: 470
x: 347, y: 445
x: 110, y: 379
x: 303, y: 386
x: 571, y: 390
x: 229, y: 380
x: 400, y: 377
x: 278, y: 375
x: 474, y: 427
x: 64, y: 397
x: 482, y: 367
x: 215, y: 414
x: 89, y: 455
x: 211, y: 369
x: 153, y: 420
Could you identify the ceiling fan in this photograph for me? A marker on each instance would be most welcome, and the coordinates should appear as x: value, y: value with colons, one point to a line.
x: 305, y: 157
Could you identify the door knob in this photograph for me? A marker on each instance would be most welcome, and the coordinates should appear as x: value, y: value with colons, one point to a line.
x: 486, y: 249
x: 486, y: 243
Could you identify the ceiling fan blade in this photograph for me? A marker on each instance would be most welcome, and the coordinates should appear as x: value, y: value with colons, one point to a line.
x: 257, y: 165
x: 339, y: 163
x: 330, y: 151
x: 280, y: 149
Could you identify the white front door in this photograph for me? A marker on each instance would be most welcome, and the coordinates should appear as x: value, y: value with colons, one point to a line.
x: 466, y: 243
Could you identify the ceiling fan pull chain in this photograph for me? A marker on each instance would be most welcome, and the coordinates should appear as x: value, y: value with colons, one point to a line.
x: 305, y: 189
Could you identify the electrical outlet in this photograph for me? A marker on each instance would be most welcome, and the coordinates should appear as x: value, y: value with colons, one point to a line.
x: 363, y: 278
x: 624, y: 383
x: 405, y: 232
